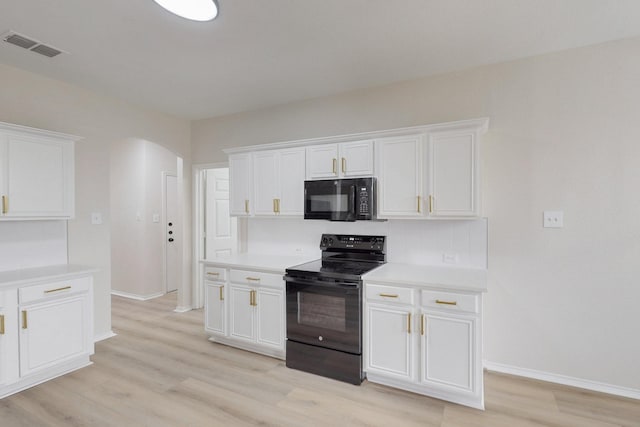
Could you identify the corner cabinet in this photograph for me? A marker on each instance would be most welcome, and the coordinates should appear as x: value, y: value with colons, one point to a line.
x: 426, y: 341
x: 245, y: 308
x: 36, y: 173
x: 46, y: 330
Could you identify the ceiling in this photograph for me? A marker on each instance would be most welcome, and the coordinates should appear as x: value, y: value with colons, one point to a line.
x: 259, y: 53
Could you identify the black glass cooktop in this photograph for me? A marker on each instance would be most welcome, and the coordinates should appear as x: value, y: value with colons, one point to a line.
x: 344, y: 268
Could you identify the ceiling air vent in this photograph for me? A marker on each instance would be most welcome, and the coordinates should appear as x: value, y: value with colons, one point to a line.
x: 30, y: 44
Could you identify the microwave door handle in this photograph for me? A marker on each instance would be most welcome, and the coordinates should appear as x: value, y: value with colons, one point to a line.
x: 353, y: 214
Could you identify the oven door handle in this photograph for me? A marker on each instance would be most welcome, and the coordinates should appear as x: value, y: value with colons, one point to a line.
x: 327, y: 284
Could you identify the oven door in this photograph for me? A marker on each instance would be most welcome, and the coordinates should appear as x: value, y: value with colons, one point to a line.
x: 324, y: 314
x: 333, y: 200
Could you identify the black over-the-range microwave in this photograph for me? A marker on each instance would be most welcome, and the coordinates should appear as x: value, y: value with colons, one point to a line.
x: 340, y: 199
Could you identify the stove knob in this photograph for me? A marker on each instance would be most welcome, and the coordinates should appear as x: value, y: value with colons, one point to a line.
x: 324, y: 241
x: 320, y: 338
x: 331, y: 242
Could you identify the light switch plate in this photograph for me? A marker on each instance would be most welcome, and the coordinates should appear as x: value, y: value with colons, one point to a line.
x: 96, y: 218
x: 553, y: 219
x: 156, y: 217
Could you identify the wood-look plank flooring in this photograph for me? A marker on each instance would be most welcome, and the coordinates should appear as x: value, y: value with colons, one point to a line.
x: 162, y: 371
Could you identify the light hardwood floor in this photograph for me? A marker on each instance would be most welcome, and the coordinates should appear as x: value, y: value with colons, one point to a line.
x: 161, y: 371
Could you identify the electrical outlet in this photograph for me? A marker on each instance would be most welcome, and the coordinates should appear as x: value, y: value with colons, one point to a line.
x: 96, y: 218
x: 450, y: 258
x: 553, y: 219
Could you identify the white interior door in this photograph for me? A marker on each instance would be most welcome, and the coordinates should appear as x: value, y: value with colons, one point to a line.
x: 172, y: 234
x: 220, y: 227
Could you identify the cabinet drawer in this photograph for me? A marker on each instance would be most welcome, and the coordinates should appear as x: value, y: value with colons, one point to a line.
x: 450, y: 301
x: 216, y: 274
x: 54, y: 289
x: 248, y: 277
x: 389, y: 293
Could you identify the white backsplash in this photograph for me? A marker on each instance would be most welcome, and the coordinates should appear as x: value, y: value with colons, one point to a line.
x: 440, y: 243
x: 27, y: 244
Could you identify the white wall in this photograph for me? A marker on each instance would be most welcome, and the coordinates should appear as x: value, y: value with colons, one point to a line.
x: 564, y: 135
x: 31, y: 100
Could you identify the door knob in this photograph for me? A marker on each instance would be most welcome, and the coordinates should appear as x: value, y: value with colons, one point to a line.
x: 171, y: 239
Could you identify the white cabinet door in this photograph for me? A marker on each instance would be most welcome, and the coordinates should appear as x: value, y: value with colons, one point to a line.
x: 9, y: 362
x: 270, y: 317
x: 447, y: 356
x: 356, y: 158
x: 240, y: 183
x: 389, y: 346
x: 241, y: 313
x: 214, y: 311
x: 399, y: 169
x: 53, y: 332
x: 291, y: 170
x: 37, y: 177
x: 266, y: 178
x: 322, y: 161
x: 453, y: 174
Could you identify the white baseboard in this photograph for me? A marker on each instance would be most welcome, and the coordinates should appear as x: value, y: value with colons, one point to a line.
x: 135, y: 296
x: 105, y: 336
x: 182, y: 309
x: 563, y: 379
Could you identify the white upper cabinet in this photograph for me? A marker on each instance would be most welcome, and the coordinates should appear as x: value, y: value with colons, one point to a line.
x: 453, y: 174
x: 344, y: 160
x: 399, y: 170
x: 278, y: 182
x: 240, y: 181
x: 36, y: 174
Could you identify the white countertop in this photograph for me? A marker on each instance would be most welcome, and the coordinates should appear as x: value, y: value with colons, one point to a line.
x: 14, y: 278
x: 464, y: 279
x: 265, y: 262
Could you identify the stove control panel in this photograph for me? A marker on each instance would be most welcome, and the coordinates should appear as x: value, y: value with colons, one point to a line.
x: 352, y: 242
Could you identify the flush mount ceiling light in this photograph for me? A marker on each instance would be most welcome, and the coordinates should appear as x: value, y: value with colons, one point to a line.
x: 196, y: 10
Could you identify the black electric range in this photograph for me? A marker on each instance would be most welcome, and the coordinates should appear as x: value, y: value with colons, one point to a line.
x: 324, y: 306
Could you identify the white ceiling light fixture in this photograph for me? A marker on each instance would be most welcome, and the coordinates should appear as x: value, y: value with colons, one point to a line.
x: 196, y: 10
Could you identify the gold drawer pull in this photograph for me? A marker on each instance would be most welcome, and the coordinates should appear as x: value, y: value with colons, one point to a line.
x: 213, y: 274
x: 24, y: 319
x: 389, y: 295
x: 253, y: 279
x: 221, y: 293
x: 57, y: 290
x: 446, y: 302
x: 1, y: 324
x: 409, y: 323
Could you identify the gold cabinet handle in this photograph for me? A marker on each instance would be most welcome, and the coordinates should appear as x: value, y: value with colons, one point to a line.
x: 422, y: 325
x: 275, y: 207
x: 255, y: 298
x: 253, y: 279
x: 57, y: 290
x: 446, y: 302
x: 430, y: 204
x: 335, y: 166
x: 221, y: 293
x: 25, y: 323
x: 389, y: 295
x: 246, y: 206
x: 1, y: 324
x: 209, y: 273
x: 409, y: 323
x: 419, y: 209
x: 5, y: 205
x: 252, y: 298
x: 344, y: 165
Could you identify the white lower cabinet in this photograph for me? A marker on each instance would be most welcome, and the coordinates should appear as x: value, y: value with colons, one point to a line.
x: 425, y: 341
x: 46, y: 330
x: 247, y: 311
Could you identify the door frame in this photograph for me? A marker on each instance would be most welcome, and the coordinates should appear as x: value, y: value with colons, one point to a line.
x: 165, y: 174
x: 198, y: 227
